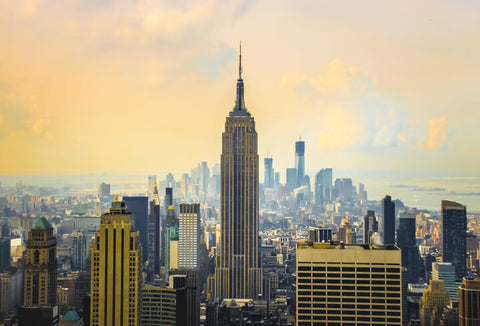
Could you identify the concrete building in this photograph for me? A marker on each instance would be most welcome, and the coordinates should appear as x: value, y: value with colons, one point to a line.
x: 189, y: 236
x: 342, y: 284
x: 116, y: 270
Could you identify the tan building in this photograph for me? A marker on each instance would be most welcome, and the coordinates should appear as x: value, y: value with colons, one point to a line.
x: 158, y: 306
x: 346, y: 284
x: 434, y: 298
x: 469, y: 302
x: 116, y: 271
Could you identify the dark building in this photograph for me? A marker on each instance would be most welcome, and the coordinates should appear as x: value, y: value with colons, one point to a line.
x: 388, y: 220
x: 268, y: 180
x: 4, y: 254
x: 406, y: 241
x: 370, y: 225
x: 38, y: 316
x: 103, y: 190
x: 187, y: 285
x: 138, y: 206
x: 168, y: 200
x: 320, y: 234
x: 454, y: 224
x: 300, y: 161
x: 238, y: 273
x: 469, y: 302
x: 154, y: 235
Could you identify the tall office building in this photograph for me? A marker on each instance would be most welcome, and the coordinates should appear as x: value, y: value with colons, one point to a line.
x: 291, y: 178
x: 4, y: 254
x: 268, y: 180
x: 80, y: 252
x: 406, y: 241
x: 469, y: 302
x: 116, y: 269
x: 344, y: 188
x: 186, y: 283
x: 138, y: 206
x: 370, y: 226
x: 238, y: 273
x: 40, y: 285
x: 103, y: 190
x: 154, y: 239
x: 454, y: 224
x: 435, y: 297
x: 300, y: 161
x: 342, y: 284
x: 189, y: 236
x: 158, y: 306
x: 168, y: 200
x: 388, y: 220
x: 446, y: 272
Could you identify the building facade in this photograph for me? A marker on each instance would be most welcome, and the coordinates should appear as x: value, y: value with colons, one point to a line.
x: 454, y: 225
x: 189, y: 236
x: 238, y: 272
x: 116, y: 270
x: 80, y: 252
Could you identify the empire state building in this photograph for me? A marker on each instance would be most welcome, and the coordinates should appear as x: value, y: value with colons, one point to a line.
x: 238, y: 273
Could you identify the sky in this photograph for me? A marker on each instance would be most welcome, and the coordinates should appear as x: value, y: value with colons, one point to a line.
x: 144, y: 86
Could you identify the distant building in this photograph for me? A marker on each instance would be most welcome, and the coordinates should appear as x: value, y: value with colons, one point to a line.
x: 454, y: 225
x: 291, y: 182
x: 4, y: 254
x: 344, y: 188
x: 80, y: 252
x: 300, y: 162
x: 388, y: 220
x: 469, y: 302
x: 320, y: 234
x: 116, y: 270
x: 168, y: 200
x: 138, y: 206
x: 189, y: 236
x: 268, y: 180
x: 103, y: 190
x: 435, y: 297
x: 154, y: 239
x: 152, y: 181
x: 347, y: 283
x: 370, y: 226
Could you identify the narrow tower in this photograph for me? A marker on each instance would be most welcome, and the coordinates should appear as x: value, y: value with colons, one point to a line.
x: 238, y: 273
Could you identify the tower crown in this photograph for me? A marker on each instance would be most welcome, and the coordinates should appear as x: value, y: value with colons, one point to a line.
x: 240, y: 110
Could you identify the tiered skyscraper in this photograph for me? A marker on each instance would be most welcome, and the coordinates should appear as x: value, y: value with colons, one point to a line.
x: 116, y: 270
x: 238, y: 272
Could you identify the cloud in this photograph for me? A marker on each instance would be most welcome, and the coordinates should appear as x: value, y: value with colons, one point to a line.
x: 437, y: 133
x: 340, y: 129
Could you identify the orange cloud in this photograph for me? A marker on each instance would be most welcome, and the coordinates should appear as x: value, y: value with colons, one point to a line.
x: 436, y: 134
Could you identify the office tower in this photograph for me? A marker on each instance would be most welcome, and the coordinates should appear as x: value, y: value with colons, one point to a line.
x: 138, y: 206
x: 268, y: 180
x: 320, y: 234
x: 370, y: 226
x: 40, y: 280
x: 454, y: 224
x: 184, y: 183
x: 116, y: 269
x: 158, y: 306
x: 277, y: 179
x: 344, y: 188
x: 238, y: 274
x: 406, y: 241
x: 170, y: 180
x: 168, y: 200
x: 446, y: 272
x: 152, y: 181
x: 80, y: 251
x: 103, y: 190
x: 189, y: 236
x: 324, y: 178
x: 187, y: 285
x: 342, y: 284
x: 388, y: 220
x: 41, y: 266
x: 291, y: 181
x: 171, y: 248
x: 300, y: 161
x: 362, y: 193
x: 4, y: 254
x: 469, y: 302
x: 435, y: 297
x: 154, y: 239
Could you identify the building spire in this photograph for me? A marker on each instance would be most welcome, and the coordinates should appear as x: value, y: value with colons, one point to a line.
x: 240, y: 109
x: 240, y: 62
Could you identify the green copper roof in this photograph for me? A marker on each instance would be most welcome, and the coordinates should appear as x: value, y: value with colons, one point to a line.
x: 42, y: 223
x: 71, y: 315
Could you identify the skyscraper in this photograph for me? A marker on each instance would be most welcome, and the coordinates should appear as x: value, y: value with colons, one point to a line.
x: 154, y: 234
x: 152, y: 181
x: 268, y: 180
x: 116, y: 270
x: 434, y: 297
x: 370, y: 225
x: 406, y: 241
x: 469, y: 302
x: 103, y: 190
x: 300, y: 161
x: 80, y: 251
x: 454, y: 224
x: 238, y: 273
x: 138, y: 206
x: 189, y: 236
x: 388, y: 220
x: 291, y: 178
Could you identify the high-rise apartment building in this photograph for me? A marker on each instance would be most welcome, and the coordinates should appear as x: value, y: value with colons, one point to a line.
x: 454, y: 224
x: 370, y: 226
x: 80, y: 252
x: 116, y: 270
x: 238, y: 273
x: 342, y: 284
x: 300, y: 161
x: 268, y: 180
x: 469, y: 302
x: 406, y: 241
x: 138, y: 206
x: 189, y: 236
x: 388, y: 220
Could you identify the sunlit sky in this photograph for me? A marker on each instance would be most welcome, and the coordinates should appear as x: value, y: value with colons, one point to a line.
x: 145, y: 86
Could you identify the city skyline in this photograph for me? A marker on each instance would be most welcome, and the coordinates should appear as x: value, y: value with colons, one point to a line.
x: 159, y: 68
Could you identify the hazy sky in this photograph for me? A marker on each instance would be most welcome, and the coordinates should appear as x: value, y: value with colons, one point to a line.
x: 145, y: 86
